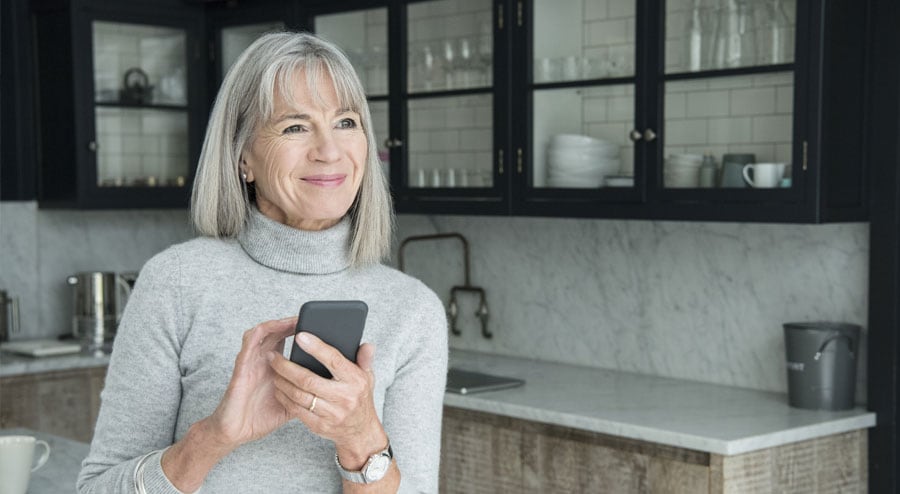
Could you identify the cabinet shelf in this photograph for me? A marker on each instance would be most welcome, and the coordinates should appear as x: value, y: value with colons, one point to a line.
x: 141, y: 106
x: 711, y: 74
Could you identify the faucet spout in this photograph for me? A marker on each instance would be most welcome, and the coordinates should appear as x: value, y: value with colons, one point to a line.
x: 452, y: 307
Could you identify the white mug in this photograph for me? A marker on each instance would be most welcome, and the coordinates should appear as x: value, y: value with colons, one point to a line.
x: 765, y: 175
x: 16, y: 459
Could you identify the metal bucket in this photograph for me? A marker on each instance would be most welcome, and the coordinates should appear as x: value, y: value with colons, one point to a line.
x: 821, y: 364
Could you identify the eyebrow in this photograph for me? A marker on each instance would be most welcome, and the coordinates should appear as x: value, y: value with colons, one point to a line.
x: 305, y: 116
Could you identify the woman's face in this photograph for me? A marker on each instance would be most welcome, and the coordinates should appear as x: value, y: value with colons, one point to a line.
x: 307, y: 161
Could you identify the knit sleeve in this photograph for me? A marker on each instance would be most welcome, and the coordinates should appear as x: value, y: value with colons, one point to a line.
x: 414, y: 401
x: 142, y: 392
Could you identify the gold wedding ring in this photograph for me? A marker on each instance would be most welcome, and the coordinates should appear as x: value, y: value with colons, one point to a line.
x: 312, y: 406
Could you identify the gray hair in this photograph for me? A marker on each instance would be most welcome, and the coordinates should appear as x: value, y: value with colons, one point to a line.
x: 220, y: 203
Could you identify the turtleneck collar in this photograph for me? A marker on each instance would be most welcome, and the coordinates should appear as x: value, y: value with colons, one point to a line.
x: 284, y: 248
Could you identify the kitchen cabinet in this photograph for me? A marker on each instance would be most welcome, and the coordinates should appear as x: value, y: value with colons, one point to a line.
x: 486, y: 453
x: 120, y: 102
x: 479, y: 89
x: 63, y: 402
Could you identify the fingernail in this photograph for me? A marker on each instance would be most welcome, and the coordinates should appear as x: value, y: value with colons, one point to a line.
x: 303, y: 338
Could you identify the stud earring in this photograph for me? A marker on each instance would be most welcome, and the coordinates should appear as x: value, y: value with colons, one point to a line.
x: 244, y: 176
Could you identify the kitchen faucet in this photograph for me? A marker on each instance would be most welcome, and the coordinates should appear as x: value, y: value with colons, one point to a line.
x: 452, y: 309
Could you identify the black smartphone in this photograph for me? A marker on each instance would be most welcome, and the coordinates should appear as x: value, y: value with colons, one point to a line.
x: 339, y: 323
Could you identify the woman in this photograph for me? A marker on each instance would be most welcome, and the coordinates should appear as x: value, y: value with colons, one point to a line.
x: 293, y: 207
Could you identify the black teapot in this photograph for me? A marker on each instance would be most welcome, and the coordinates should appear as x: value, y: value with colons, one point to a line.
x: 136, y: 88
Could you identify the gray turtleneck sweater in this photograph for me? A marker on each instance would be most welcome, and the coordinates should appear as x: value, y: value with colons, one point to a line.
x: 181, y: 331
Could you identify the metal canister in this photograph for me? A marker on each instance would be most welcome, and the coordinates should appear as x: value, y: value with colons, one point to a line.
x: 9, y: 315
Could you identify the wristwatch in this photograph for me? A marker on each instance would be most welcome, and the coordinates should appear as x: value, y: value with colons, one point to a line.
x: 374, y: 470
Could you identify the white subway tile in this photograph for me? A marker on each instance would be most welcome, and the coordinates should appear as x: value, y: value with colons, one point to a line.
x: 615, y: 132
x: 730, y: 130
x: 757, y: 101
x: 674, y: 53
x: 621, y: 109
x: 772, y: 128
x: 784, y: 99
x: 776, y: 79
x: 444, y: 140
x: 621, y: 8
x: 595, y: 110
x: 707, y: 104
x: 675, y: 105
x: 687, y: 86
x: 731, y: 82
x: 376, y: 16
x: 595, y: 9
x: 419, y: 142
x: 476, y: 140
x: 606, y: 33
x: 685, y: 132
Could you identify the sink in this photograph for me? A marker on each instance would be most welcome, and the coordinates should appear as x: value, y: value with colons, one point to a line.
x: 465, y: 382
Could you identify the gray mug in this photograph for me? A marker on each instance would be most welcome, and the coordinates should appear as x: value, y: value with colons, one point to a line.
x: 733, y: 169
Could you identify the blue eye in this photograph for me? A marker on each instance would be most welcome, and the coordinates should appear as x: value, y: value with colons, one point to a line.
x: 347, y: 123
x: 293, y: 129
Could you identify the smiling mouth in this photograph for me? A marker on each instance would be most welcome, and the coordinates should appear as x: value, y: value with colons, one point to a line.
x: 325, y: 180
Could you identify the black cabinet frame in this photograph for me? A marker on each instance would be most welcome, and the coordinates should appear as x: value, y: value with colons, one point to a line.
x: 66, y: 139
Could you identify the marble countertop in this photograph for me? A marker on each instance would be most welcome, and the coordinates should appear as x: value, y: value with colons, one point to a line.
x: 705, y: 417
x: 61, y: 470
x: 693, y: 415
x: 14, y: 365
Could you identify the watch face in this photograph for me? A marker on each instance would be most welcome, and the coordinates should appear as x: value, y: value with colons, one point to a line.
x: 377, y: 468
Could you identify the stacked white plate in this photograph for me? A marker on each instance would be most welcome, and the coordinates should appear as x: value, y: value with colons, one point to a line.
x: 682, y: 170
x: 580, y: 161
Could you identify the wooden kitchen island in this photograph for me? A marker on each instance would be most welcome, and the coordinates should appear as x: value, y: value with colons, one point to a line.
x: 580, y: 429
x: 569, y: 429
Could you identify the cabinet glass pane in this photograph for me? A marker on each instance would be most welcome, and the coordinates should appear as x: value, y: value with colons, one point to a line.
x: 451, y: 141
x: 363, y: 37
x: 380, y: 125
x: 722, y: 34
x: 141, y: 147
x: 734, y: 116
x: 583, y: 39
x: 450, y: 45
x: 139, y: 64
x: 581, y: 137
x: 236, y: 39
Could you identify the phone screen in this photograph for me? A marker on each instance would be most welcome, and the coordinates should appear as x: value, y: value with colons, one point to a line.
x: 339, y: 323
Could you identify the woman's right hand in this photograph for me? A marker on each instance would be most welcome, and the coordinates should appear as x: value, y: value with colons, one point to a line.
x: 249, y: 410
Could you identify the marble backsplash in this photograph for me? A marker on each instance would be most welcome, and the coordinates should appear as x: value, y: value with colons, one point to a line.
x: 698, y: 301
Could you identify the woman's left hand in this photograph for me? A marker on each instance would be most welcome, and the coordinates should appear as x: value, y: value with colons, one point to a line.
x: 344, y: 410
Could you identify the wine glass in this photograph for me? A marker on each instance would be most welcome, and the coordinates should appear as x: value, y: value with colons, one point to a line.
x: 449, y: 66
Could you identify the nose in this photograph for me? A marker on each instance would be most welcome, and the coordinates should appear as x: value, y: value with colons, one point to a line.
x: 326, y: 148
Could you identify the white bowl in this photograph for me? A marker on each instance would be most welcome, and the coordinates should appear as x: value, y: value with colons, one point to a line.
x: 574, y: 140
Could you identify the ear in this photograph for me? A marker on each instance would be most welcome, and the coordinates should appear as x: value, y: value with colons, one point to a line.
x: 246, y: 170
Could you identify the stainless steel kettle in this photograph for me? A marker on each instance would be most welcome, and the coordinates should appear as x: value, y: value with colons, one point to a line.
x: 99, y: 299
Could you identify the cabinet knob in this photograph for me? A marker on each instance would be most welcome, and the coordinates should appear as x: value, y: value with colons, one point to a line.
x: 392, y: 143
x: 92, y: 146
x: 635, y: 135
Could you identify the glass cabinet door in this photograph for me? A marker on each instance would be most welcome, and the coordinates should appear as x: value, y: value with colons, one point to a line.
x: 235, y: 39
x: 363, y: 36
x: 582, y: 93
x: 728, y: 92
x: 140, y: 105
x: 450, y: 105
